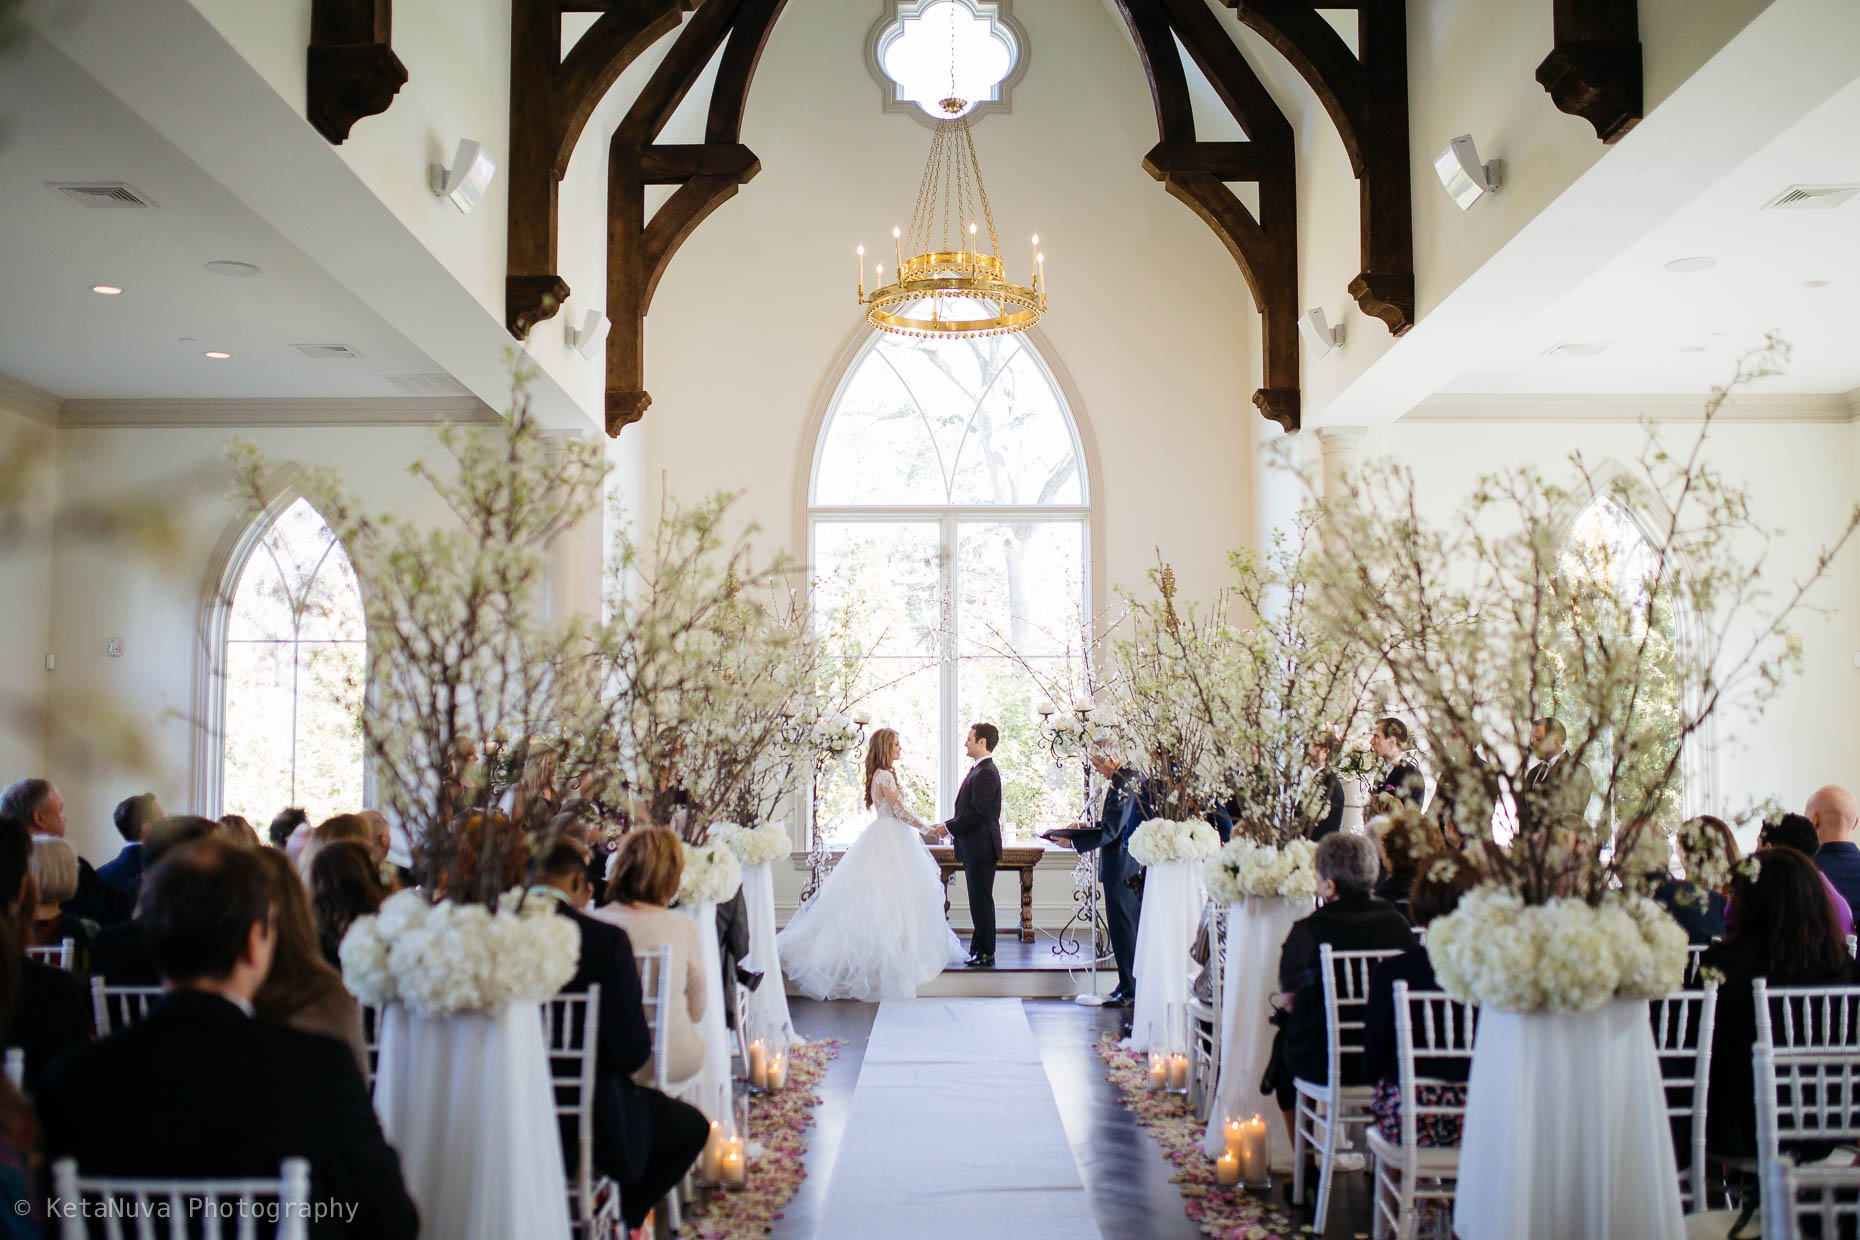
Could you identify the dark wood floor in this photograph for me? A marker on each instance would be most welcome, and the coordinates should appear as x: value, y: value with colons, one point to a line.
x: 1124, y: 1172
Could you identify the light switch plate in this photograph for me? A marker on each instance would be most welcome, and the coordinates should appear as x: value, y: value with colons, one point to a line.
x: 114, y: 647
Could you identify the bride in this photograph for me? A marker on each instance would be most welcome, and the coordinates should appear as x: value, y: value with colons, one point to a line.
x: 875, y: 930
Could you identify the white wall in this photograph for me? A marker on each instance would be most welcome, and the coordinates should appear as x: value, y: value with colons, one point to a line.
x: 25, y: 591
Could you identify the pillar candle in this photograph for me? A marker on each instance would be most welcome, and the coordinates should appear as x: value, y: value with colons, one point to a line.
x: 1227, y: 1170
x: 1234, y: 1134
x: 734, y: 1171
x: 1159, y: 1073
x: 710, y: 1162
x: 1178, y: 1071
x: 1253, y: 1165
x: 758, y: 1064
x: 778, y: 1071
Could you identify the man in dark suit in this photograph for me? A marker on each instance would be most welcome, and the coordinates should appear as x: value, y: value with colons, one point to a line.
x: 975, y: 836
x: 51, y: 1013
x: 1835, y: 814
x: 1111, y: 839
x: 1321, y: 807
x: 121, y: 956
x: 1558, y: 783
x: 38, y: 804
x: 134, y: 816
x: 1404, y: 780
x: 644, y: 1140
x: 202, y: 1088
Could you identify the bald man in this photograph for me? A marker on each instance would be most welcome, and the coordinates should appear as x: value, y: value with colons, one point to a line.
x: 1835, y: 813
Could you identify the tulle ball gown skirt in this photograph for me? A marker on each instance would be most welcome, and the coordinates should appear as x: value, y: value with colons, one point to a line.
x: 875, y: 930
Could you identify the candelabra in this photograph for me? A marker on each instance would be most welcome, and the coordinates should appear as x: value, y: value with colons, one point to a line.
x: 1069, y: 736
x: 829, y: 735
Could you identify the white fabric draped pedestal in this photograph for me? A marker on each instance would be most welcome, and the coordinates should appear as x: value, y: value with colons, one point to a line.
x: 1256, y: 930
x: 709, y: 1090
x: 1172, y: 897
x: 466, y: 1099
x: 1566, y: 1134
x: 767, y: 1005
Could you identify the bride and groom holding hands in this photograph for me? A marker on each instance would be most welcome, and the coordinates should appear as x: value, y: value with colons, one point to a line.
x: 876, y: 929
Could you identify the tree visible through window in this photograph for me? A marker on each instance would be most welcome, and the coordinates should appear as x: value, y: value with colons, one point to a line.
x: 950, y: 518
x: 295, y: 663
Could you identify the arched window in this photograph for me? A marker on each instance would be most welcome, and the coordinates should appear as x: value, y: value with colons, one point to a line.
x: 950, y: 517
x: 295, y: 662
x: 1607, y: 544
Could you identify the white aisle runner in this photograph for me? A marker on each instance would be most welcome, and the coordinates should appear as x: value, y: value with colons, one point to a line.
x: 954, y: 1133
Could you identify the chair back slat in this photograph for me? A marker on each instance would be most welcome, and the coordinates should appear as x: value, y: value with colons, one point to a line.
x: 655, y: 988
x: 1682, y: 1031
x: 111, y: 1199
x: 1345, y: 977
x: 1821, y: 1199
x: 1694, y: 953
x: 115, y: 1008
x: 60, y: 955
x: 371, y: 1039
x: 571, y: 1032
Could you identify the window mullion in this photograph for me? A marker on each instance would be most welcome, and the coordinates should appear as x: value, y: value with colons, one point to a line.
x: 948, y: 671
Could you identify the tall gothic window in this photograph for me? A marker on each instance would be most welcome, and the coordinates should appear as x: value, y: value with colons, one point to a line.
x: 295, y: 661
x: 950, y: 517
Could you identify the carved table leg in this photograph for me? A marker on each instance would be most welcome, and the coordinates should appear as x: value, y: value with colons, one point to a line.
x: 944, y: 872
x: 1026, y: 905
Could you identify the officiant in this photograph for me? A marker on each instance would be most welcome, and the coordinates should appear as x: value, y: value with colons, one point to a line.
x: 1111, y: 838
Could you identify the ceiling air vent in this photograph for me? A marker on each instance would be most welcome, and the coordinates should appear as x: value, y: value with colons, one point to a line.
x: 427, y: 385
x: 325, y: 352
x: 1575, y: 348
x: 102, y: 194
x: 1811, y: 197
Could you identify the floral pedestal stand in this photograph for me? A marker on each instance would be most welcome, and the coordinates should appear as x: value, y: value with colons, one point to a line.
x: 467, y: 1101
x: 1566, y: 1134
x: 1172, y: 898
x: 709, y: 1091
x: 1256, y: 930
x: 767, y: 1006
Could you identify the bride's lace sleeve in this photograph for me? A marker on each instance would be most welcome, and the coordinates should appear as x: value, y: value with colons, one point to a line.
x: 885, y: 796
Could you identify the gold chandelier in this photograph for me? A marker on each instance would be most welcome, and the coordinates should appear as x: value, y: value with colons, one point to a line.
x: 947, y: 289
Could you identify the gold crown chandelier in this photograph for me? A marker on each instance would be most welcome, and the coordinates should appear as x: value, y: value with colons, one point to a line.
x: 946, y: 289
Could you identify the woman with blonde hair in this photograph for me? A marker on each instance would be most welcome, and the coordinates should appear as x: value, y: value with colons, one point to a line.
x: 640, y: 887
x: 875, y: 930
x: 301, y: 990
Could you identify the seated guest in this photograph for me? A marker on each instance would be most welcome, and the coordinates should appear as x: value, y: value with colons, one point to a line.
x: 644, y: 880
x: 1781, y: 929
x: 1707, y: 851
x: 37, y: 804
x: 577, y: 821
x: 1439, y: 883
x: 237, y: 831
x: 345, y: 883
x: 21, y: 1203
x: 201, y: 1087
x: 1796, y: 833
x: 352, y: 827
x: 1349, y: 918
x: 644, y: 1140
x: 133, y: 818
x: 380, y: 833
x: 285, y: 825
x: 1833, y: 813
x: 1320, y: 804
x: 50, y: 1013
x: 54, y: 866
x: 1403, y: 838
x: 120, y: 956
x: 1403, y: 780
x: 302, y: 990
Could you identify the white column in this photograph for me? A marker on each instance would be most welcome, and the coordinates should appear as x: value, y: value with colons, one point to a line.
x: 1343, y: 453
x: 1278, y: 487
x: 575, y: 568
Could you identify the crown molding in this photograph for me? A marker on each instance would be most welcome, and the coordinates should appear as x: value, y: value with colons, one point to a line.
x: 1506, y: 407
x: 364, y: 411
x: 33, y: 403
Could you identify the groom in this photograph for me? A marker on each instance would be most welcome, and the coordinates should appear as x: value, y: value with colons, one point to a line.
x: 975, y: 835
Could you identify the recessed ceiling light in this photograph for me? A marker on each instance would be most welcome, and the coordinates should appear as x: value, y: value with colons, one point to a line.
x: 1813, y: 284
x: 216, y: 355
x: 227, y: 267
x: 105, y: 290
x: 1696, y: 263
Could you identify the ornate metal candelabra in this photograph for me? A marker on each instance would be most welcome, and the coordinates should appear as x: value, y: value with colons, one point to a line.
x: 1069, y: 737
x: 828, y: 736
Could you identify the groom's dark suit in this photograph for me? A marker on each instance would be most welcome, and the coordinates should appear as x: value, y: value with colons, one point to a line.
x: 975, y: 836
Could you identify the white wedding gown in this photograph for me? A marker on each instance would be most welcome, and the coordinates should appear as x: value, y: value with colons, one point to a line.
x: 875, y: 930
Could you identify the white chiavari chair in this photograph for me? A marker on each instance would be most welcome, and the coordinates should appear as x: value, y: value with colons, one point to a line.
x: 186, y: 1204
x: 60, y: 955
x: 655, y: 990
x: 1693, y: 952
x: 1807, y: 1067
x: 1204, y: 1019
x: 1430, y: 1025
x: 1682, y: 1029
x: 1325, y: 1111
x: 371, y: 1039
x: 571, y: 1030
x: 115, y: 1008
x: 1825, y: 1196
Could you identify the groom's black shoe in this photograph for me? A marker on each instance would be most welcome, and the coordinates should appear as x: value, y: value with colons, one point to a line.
x: 980, y: 962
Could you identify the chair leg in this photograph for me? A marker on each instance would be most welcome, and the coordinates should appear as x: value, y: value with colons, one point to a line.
x: 1327, y: 1167
x: 1298, y: 1152
x: 1380, y: 1190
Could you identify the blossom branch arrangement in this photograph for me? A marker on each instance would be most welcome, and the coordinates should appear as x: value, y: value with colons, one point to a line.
x: 461, y: 651
x: 1496, y: 617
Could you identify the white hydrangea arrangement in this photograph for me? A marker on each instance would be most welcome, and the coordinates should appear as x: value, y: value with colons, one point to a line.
x: 712, y: 874
x: 1565, y: 955
x: 753, y: 846
x: 1162, y: 839
x: 834, y: 734
x: 1245, y: 868
x: 446, y: 958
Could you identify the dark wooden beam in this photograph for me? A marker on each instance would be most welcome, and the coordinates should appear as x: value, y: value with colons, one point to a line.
x: 351, y: 71
x: 1366, y: 97
x: 1196, y: 173
x: 1594, y: 70
x: 639, y: 250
